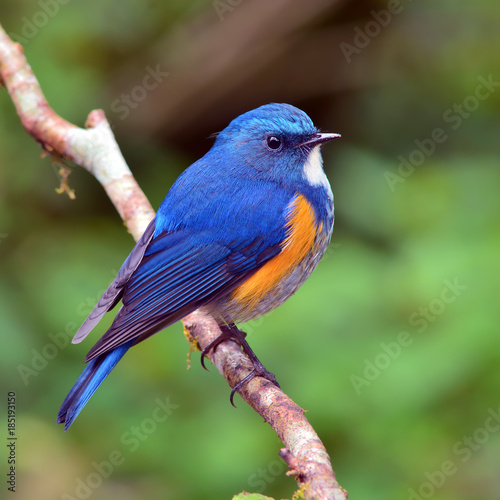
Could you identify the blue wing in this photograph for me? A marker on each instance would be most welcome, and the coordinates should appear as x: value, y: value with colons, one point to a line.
x: 209, y: 237
x: 178, y: 274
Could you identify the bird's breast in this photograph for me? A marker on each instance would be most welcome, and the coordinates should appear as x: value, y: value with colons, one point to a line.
x: 305, y: 243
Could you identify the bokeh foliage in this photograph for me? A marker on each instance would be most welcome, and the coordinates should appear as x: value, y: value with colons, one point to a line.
x: 392, y: 345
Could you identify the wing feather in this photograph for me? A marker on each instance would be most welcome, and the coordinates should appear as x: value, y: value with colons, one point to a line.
x: 155, y: 300
x: 185, y: 259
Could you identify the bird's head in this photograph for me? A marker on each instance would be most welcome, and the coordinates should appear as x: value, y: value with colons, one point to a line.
x: 276, y: 141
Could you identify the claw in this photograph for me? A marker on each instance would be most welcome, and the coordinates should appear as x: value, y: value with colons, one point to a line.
x: 202, y: 359
x: 231, y: 332
x: 256, y: 372
x: 231, y: 396
x: 225, y: 335
x: 240, y: 384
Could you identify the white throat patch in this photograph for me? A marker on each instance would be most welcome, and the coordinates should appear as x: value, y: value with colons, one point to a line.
x: 313, y: 170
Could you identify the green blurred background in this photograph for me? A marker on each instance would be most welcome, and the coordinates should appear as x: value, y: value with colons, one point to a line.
x: 392, y: 345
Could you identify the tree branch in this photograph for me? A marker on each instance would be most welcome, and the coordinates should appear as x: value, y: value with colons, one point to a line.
x: 95, y: 149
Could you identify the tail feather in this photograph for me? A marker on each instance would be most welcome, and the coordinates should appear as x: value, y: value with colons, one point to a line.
x: 88, y: 382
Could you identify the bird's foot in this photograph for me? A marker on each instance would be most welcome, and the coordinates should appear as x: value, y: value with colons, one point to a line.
x: 258, y: 371
x: 226, y: 334
x: 231, y: 332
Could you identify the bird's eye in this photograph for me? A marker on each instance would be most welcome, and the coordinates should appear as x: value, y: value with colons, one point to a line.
x: 273, y: 142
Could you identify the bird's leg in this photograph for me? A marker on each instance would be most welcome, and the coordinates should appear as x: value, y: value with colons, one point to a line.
x: 232, y: 332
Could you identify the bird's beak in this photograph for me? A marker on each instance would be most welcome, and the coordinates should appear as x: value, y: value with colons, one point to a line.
x: 319, y: 139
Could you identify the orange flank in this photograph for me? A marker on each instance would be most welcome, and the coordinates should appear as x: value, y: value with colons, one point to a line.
x: 301, y: 234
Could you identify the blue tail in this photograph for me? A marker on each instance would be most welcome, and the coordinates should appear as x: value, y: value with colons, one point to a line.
x: 88, y: 382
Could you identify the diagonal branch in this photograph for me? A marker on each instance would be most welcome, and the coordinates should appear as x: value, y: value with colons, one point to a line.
x: 95, y: 149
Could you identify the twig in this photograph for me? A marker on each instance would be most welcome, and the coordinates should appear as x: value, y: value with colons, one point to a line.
x: 95, y: 149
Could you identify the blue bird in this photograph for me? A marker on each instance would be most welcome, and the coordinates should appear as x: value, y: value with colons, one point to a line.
x: 237, y: 234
